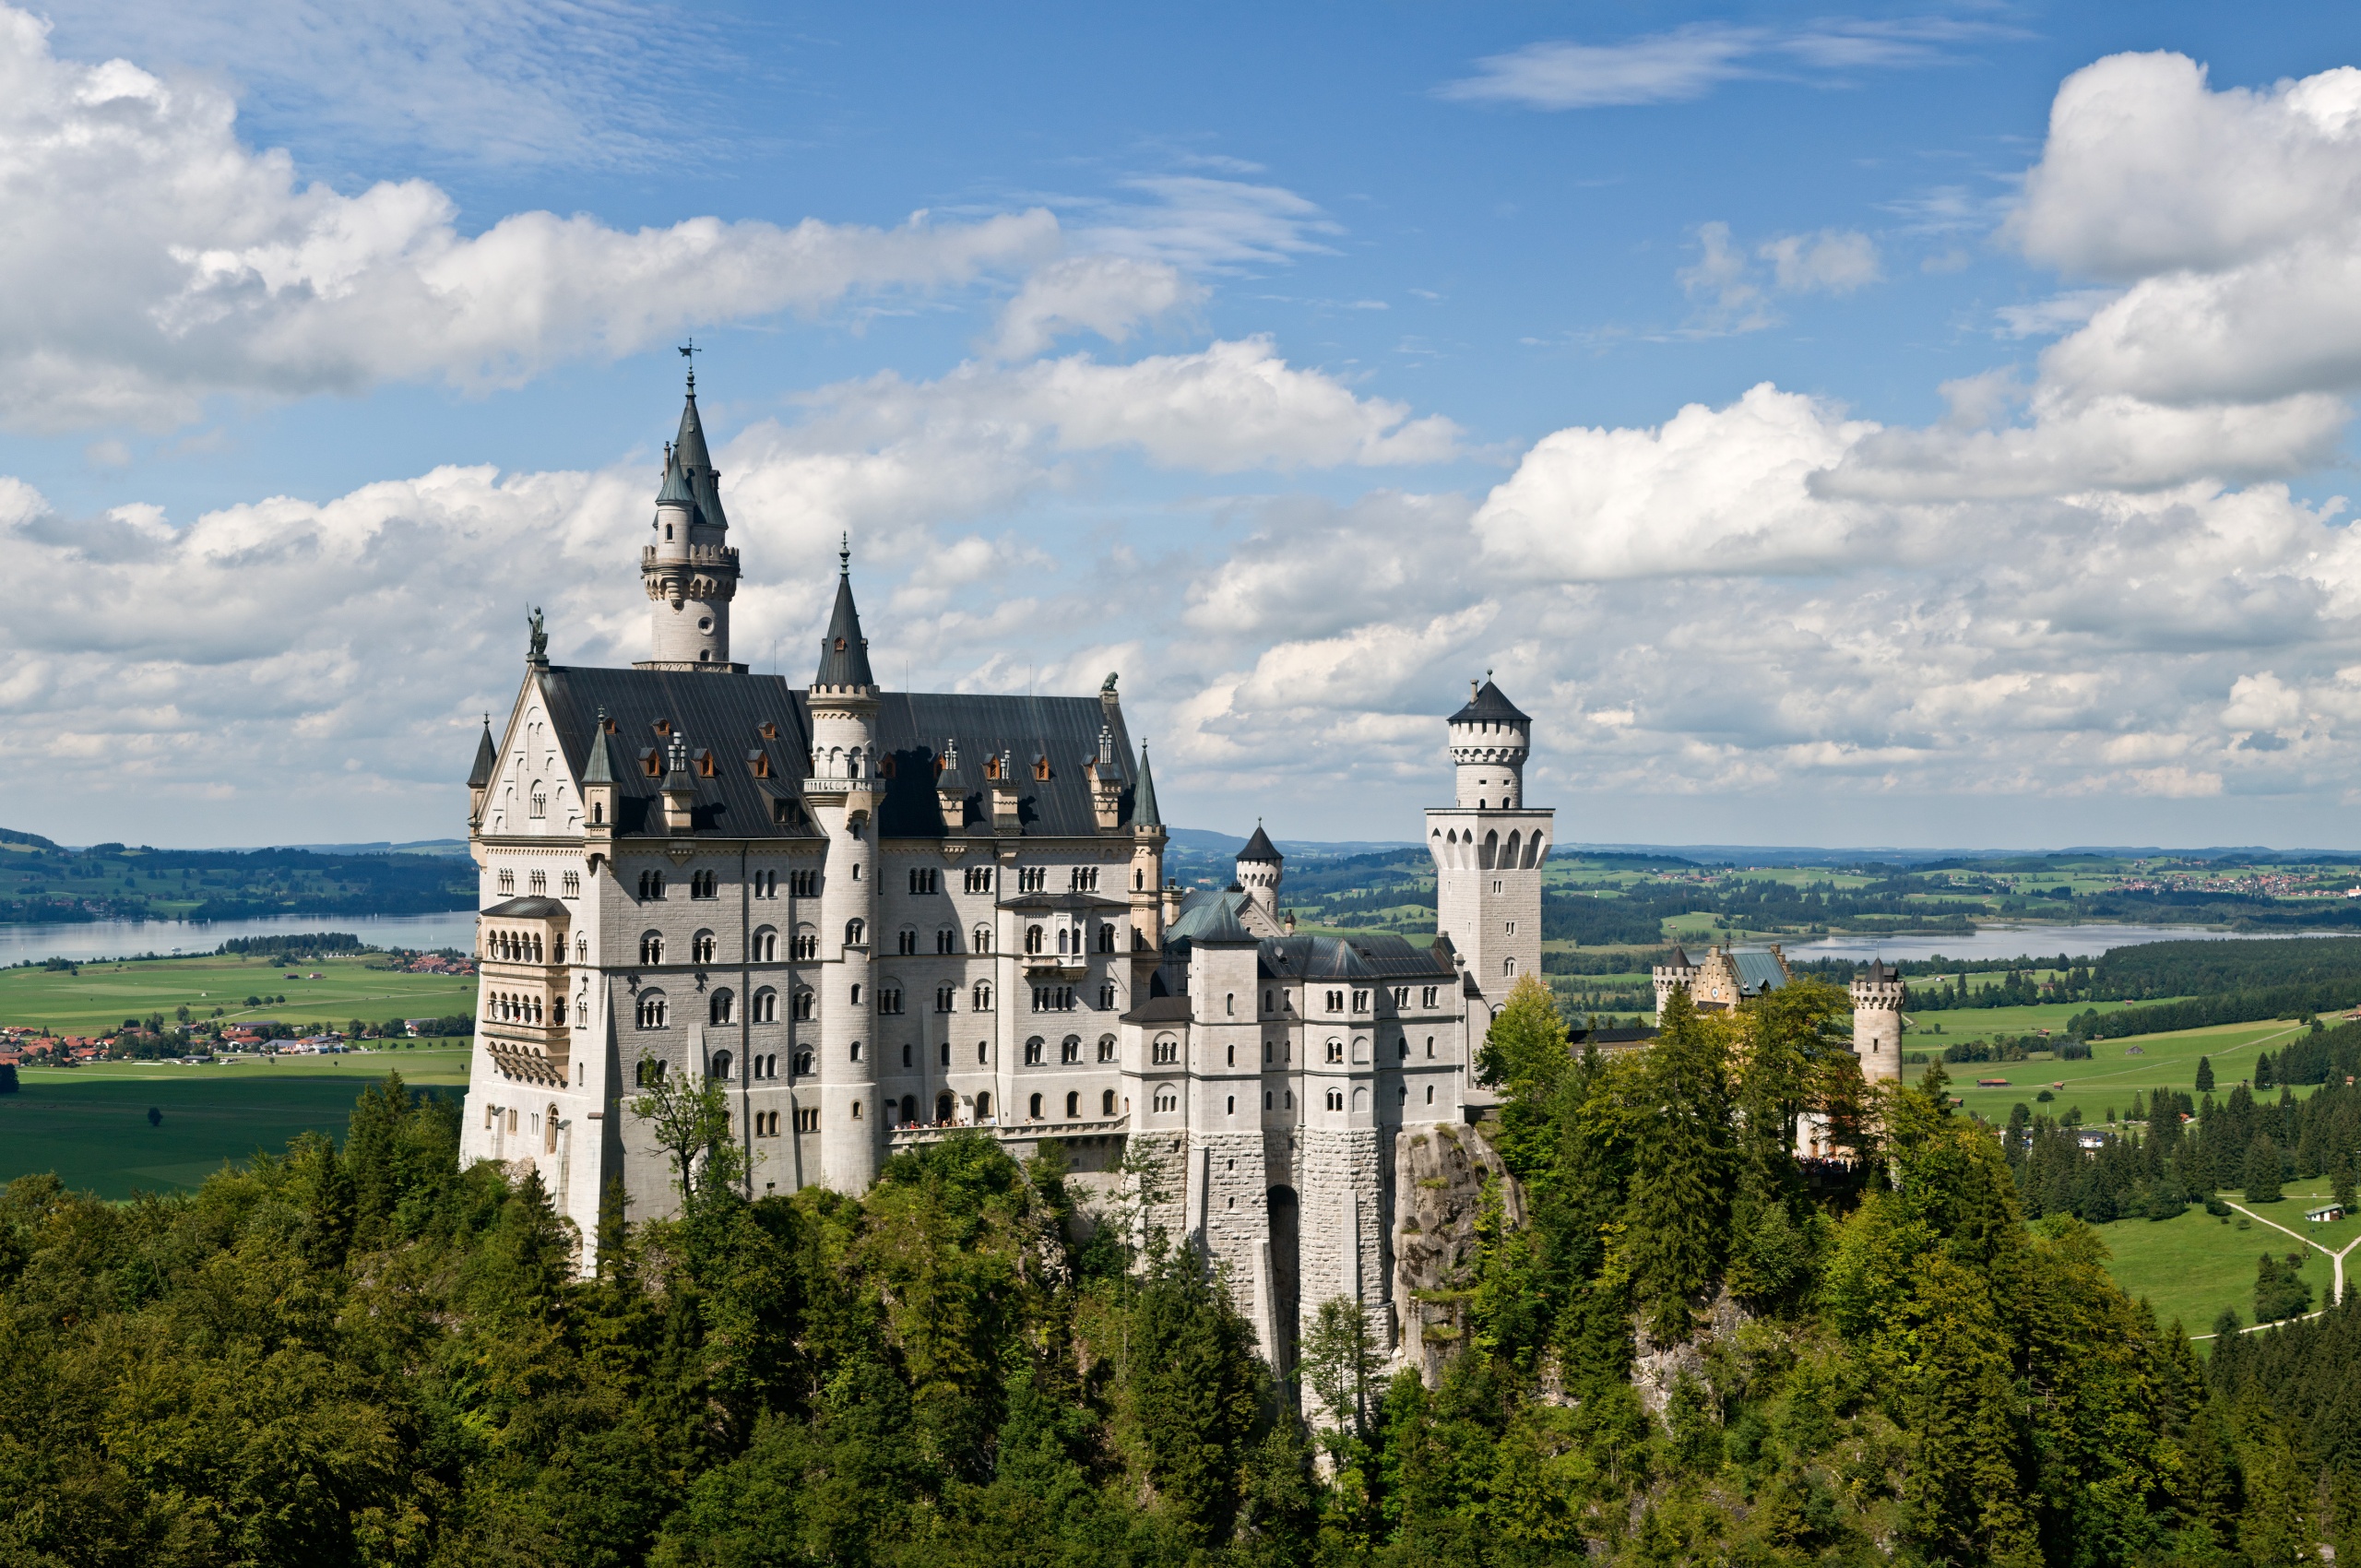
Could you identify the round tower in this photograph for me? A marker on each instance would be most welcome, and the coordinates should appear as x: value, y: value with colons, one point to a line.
x: 1260, y: 867
x: 1490, y: 741
x: 1877, y: 1022
x: 841, y: 795
x: 689, y: 569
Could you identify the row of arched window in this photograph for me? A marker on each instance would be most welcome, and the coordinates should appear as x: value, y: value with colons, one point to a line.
x: 1069, y: 1050
x: 514, y: 946
x: 1069, y: 939
x: 509, y: 1007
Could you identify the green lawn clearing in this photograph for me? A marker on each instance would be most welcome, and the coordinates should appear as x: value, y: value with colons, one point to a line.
x: 2193, y: 1266
x: 90, y: 1125
x: 103, y: 996
x: 2117, y: 1070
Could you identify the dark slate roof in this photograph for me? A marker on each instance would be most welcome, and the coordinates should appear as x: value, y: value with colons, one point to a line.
x: 1364, y: 956
x: 1053, y: 901
x: 1881, y: 973
x: 530, y: 908
x: 1201, y: 909
x: 844, y: 653
x: 1166, y: 1009
x: 675, y: 487
x: 724, y: 714
x: 1488, y: 706
x: 487, y: 761
x: 1757, y: 971
x: 1679, y: 958
x: 911, y: 726
x: 1259, y: 849
x: 1142, y: 812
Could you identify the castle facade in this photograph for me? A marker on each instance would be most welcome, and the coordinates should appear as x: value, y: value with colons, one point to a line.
x: 879, y: 919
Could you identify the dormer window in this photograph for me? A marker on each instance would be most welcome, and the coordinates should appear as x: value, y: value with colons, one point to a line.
x: 768, y: 730
x: 991, y: 768
x: 610, y: 726
x: 663, y: 725
x: 1041, y: 769
x: 651, y: 763
x: 705, y: 764
x: 759, y: 763
x: 841, y: 645
x: 886, y: 767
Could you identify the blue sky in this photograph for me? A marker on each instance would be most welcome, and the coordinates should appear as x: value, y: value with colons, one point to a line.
x: 1299, y: 365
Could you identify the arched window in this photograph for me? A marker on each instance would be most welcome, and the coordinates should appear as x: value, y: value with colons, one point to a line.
x: 720, y: 1068
x: 581, y: 949
x: 1105, y: 938
x: 906, y: 939
x: 1166, y: 1098
x: 652, y: 1012
x: 766, y: 1006
x: 803, y: 995
x: 854, y: 932
x: 1489, y: 853
x: 725, y: 1007
x: 802, y: 1063
x: 943, y: 1106
x: 700, y: 947
x: 651, y: 947
x: 765, y: 945
x: 1033, y: 1051
x: 946, y: 940
x: 1107, y: 1102
x: 1360, y: 1099
x: 1335, y: 1050
x: 807, y: 943
x: 981, y: 938
x: 1106, y: 1048
x: 1033, y: 1108
x: 548, y: 1131
x: 1069, y: 1049
x: 649, y: 1071
x: 983, y: 1106
x: 651, y: 885
x: 909, y: 1109
x: 981, y: 999
x: 1074, y: 1104
x: 1032, y: 939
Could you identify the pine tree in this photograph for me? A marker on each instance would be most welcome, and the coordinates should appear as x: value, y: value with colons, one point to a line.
x: 2205, y: 1075
x: 2262, y: 1170
x: 2341, y: 1180
x: 1676, y: 1222
x: 2262, y: 1079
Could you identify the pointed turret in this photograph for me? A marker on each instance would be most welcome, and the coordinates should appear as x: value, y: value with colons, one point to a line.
x: 1260, y: 867
x: 601, y: 768
x: 1143, y: 812
x: 487, y: 759
x: 844, y: 653
x: 690, y: 569
x: 1260, y: 848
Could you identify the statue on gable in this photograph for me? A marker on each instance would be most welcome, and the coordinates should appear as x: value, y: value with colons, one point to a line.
x: 539, y: 640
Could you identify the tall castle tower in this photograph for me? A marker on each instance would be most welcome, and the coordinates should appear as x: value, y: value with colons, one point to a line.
x: 1488, y: 850
x: 1877, y: 1022
x: 842, y: 797
x: 691, y: 572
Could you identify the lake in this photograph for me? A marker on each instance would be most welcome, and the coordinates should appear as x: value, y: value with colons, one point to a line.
x: 123, y: 939
x: 2013, y: 940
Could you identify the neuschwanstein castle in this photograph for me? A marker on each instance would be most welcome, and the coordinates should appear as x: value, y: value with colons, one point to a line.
x: 881, y: 917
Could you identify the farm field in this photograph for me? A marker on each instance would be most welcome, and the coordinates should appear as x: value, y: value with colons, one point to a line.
x: 89, y: 1125
x: 2191, y: 1268
x: 2113, y: 1073
x: 103, y: 994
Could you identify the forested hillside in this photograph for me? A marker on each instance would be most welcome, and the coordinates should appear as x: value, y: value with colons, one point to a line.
x: 42, y: 881
x: 1695, y: 1349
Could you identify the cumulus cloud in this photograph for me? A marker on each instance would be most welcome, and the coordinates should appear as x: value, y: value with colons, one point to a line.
x: 156, y: 261
x: 1832, y: 261
x: 1690, y: 62
x: 1734, y: 295
x: 1111, y: 295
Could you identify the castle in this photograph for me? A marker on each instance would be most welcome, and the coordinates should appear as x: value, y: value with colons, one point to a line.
x: 884, y: 918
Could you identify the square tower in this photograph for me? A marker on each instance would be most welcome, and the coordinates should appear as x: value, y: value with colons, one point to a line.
x: 1488, y: 850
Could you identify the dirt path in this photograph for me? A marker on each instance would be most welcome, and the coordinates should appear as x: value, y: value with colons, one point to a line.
x: 2336, y: 1290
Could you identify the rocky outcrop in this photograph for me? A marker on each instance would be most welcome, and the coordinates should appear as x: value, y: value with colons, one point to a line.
x: 1657, y: 1369
x: 1440, y: 1177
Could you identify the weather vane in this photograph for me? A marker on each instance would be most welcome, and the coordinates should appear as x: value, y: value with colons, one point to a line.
x: 689, y: 352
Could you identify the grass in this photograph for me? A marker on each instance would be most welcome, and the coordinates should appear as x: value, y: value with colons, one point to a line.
x: 2191, y: 1268
x: 89, y: 1125
x: 103, y: 996
x: 2114, y: 1074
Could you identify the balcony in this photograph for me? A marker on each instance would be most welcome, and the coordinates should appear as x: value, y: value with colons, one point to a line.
x: 1013, y: 1132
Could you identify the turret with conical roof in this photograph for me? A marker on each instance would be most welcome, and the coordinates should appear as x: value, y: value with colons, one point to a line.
x: 1260, y: 866
x: 480, y: 776
x: 690, y: 569
x: 844, y: 653
x: 1490, y: 740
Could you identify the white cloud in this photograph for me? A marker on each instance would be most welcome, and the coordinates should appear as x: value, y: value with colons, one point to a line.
x: 1690, y: 62
x: 1203, y: 224
x: 1832, y: 261
x: 157, y: 261
x: 1111, y: 295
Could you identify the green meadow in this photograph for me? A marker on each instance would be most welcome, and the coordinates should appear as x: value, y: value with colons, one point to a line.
x: 101, y: 995
x: 2117, y: 1069
x: 2191, y: 1268
x: 90, y: 1125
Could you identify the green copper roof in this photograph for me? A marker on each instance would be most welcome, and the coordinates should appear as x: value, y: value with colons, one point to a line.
x: 600, y: 769
x: 1143, y: 812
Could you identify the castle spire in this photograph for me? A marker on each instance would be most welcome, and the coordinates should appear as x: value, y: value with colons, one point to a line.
x: 1143, y: 812
x: 844, y: 653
